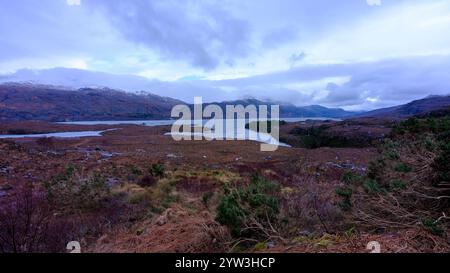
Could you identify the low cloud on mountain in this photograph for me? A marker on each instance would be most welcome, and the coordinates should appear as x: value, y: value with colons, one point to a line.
x: 336, y: 53
x: 365, y: 85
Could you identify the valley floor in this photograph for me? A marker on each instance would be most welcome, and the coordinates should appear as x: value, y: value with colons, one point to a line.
x: 163, y: 196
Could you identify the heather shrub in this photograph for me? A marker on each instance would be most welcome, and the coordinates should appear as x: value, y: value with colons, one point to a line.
x: 311, y: 208
x: 74, y: 189
x: 46, y: 142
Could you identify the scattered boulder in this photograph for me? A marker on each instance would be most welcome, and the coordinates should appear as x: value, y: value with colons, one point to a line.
x: 172, y: 156
x: 5, y: 169
x: 4, y: 189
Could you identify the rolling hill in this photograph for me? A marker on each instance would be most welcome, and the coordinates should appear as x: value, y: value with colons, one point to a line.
x: 292, y: 111
x: 49, y: 103
x: 417, y: 107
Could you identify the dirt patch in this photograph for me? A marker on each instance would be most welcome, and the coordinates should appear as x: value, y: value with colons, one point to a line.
x: 196, y: 185
x: 175, y: 231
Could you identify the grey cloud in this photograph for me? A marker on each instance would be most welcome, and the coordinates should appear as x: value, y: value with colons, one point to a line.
x: 75, y: 78
x: 296, y: 58
x: 392, y: 82
x: 16, y: 32
x: 279, y: 36
x: 50, y: 29
x: 205, y: 35
x: 294, y: 75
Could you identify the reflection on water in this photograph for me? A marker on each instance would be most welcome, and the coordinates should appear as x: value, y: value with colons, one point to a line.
x: 171, y: 121
x: 258, y: 137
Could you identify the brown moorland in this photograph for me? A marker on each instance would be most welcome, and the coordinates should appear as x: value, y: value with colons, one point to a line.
x: 136, y: 190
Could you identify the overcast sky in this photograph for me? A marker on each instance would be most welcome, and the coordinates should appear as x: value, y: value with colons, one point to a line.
x: 356, y: 54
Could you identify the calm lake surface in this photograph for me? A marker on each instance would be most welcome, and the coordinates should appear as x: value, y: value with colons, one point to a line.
x: 58, y: 135
x: 170, y: 121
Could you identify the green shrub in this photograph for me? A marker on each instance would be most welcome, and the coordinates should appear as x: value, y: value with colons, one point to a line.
x: 402, y: 168
x: 255, y: 201
x: 442, y: 125
x: 428, y: 142
x: 136, y: 171
x: 260, y: 246
x: 230, y: 212
x: 349, y: 177
x: 411, y: 125
x: 310, y: 142
x: 345, y: 193
x: 319, y: 136
x: 441, y: 164
x: 371, y: 186
x: 397, y: 184
x: 390, y: 148
x: 433, y: 227
x: 390, y: 144
x: 415, y: 125
x: 157, y: 170
x: 392, y: 154
x: 375, y: 168
x: 444, y: 136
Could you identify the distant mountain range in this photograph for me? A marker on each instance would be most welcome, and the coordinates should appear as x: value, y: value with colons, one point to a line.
x: 20, y: 101
x: 292, y: 111
x: 38, y: 102
x: 50, y: 103
x: 78, y: 78
x: 417, y: 107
